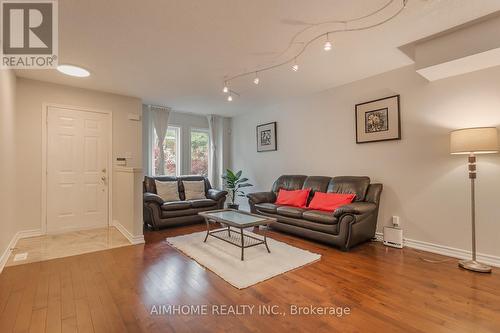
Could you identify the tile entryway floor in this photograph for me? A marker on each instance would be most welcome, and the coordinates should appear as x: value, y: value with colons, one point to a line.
x: 68, y: 244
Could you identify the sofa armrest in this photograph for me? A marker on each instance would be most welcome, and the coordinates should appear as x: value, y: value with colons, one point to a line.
x: 151, y: 197
x: 216, y: 194
x: 261, y: 197
x: 355, y: 208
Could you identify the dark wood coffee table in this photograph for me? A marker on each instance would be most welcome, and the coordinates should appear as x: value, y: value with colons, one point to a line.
x: 238, y: 220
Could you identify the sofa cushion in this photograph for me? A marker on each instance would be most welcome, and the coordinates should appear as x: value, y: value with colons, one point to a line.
x: 330, y: 201
x: 267, y: 207
x: 166, y: 214
x: 319, y: 216
x: 149, y: 184
x: 175, y: 205
x: 167, y: 190
x: 317, y: 183
x: 319, y: 227
x: 294, y: 198
x: 202, y: 203
x: 194, y: 189
x: 289, y: 211
x: 289, y: 182
x: 350, y: 184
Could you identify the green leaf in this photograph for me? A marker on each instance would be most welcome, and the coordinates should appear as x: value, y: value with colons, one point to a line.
x: 233, y: 182
x: 230, y: 173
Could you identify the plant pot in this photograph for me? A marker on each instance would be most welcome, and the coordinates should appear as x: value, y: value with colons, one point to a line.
x: 233, y: 206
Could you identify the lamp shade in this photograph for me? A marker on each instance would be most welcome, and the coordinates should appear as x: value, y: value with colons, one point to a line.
x: 480, y: 140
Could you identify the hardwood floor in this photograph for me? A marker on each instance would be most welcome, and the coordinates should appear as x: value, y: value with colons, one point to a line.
x: 386, y: 290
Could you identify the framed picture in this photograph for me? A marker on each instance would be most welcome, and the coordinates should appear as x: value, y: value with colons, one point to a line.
x: 266, y: 137
x: 378, y: 120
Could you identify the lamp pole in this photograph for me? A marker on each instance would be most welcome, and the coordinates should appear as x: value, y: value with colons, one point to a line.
x: 473, y: 265
x: 473, y: 141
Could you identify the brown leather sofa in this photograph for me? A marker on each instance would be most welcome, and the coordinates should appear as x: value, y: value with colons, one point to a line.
x: 346, y: 227
x: 158, y: 213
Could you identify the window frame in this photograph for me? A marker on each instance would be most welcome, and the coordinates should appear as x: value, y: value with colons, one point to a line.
x: 204, y: 130
x: 178, y: 146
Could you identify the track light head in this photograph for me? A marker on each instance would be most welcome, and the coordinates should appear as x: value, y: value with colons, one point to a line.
x: 327, y: 46
x: 229, y: 98
x: 225, y: 90
x: 295, y: 67
x: 256, y: 80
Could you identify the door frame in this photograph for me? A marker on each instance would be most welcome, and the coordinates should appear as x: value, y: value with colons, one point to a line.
x: 45, y: 123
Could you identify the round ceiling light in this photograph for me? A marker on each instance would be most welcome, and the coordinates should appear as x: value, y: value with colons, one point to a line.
x: 73, y: 70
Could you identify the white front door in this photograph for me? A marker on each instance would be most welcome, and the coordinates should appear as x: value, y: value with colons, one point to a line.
x: 77, y: 169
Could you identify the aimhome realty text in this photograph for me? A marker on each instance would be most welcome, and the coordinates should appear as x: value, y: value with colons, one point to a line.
x: 247, y: 310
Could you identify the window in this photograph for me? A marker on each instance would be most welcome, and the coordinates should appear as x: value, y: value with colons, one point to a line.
x: 172, y: 153
x: 199, y: 151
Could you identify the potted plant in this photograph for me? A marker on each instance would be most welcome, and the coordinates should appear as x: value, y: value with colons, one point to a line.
x: 233, y: 184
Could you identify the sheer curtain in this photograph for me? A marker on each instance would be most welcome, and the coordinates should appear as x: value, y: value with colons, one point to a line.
x: 159, y: 117
x: 213, y: 171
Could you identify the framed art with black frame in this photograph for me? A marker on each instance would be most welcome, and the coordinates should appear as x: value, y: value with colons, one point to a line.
x: 266, y: 137
x: 378, y: 120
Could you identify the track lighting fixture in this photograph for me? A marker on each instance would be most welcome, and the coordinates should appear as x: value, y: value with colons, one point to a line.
x: 256, y: 80
x: 327, y: 46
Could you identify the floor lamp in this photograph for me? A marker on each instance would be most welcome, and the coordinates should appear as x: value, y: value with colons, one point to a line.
x: 473, y: 141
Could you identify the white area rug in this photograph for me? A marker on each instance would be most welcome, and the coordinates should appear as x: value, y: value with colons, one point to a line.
x: 224, y: 259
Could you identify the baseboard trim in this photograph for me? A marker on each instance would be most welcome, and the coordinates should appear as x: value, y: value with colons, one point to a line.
x: 5, y: 255
x: 445, y: 250
x: 13, y: 242
x: 131, y: 238
x: 30, y: 233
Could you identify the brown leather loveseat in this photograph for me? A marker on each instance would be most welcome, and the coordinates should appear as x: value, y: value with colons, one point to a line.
x: 158, y: 213
x: 346, y: 227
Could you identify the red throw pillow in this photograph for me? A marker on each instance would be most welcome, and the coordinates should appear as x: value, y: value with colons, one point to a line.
x: 330, y: 201
x: 296, y: 198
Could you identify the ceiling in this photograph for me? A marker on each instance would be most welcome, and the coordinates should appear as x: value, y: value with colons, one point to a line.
x: 177, y: 52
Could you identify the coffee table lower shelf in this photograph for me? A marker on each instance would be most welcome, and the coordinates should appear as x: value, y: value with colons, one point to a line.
x: 233, y: 222
x: 236, y: 237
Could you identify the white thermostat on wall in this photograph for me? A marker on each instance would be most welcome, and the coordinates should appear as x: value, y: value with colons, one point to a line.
x: 393, y: 237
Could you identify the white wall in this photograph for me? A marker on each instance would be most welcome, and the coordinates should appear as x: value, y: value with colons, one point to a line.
x: 127, y: 136
x: 128, y: 205
x: 8, y: 196
x: 423, y: 184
